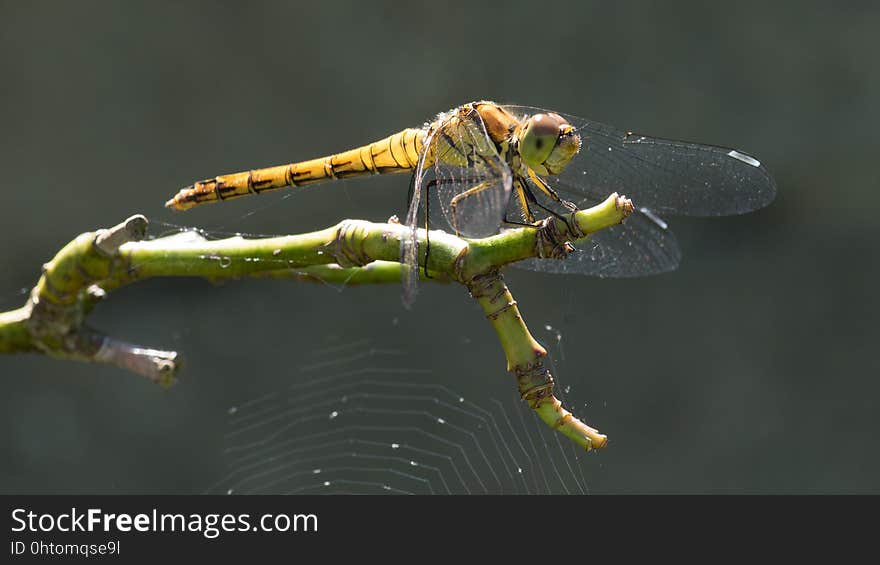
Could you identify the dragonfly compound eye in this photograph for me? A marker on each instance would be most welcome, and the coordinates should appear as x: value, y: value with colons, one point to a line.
x: 548, y: 143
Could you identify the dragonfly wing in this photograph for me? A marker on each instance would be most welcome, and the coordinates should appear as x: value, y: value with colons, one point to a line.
x: 409, y: 244
x: 469, y: 181
x: 641, y: 245
x: 667, y: 176
x: 461, y: 184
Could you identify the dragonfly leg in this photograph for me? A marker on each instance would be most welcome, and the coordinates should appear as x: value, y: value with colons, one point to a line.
x: 427, y: 237
x: 572, y: 229
x: 485, y: 185
x: 519, y: 192
x: 517, y: 223
x: 551, y: 194
x: 433, y: 183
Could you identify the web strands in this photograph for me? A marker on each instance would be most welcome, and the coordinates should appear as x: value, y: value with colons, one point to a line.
x: 357, y: 422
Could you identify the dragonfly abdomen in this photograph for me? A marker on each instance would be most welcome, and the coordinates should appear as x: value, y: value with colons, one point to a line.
x: 398, y: 153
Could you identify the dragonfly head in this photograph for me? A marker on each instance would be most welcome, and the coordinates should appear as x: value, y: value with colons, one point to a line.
x: 547, y: 143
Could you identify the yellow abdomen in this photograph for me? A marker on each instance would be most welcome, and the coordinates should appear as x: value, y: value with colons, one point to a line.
x: 398, y: 153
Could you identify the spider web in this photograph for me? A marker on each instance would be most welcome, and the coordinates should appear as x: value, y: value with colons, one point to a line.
x: 357, y: 421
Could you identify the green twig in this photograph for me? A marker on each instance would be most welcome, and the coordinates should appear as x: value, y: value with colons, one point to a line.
x: 53, y: 321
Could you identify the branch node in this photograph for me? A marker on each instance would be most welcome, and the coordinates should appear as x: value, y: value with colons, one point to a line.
x: 108, y: 241
x: 95, y: 293
x: 551, y: 240
x: 159, y: 366
x: 481, y: 285
x: 574, y: 228
x: 535, y: 382
x: 348, y: 246
x: 459, y: 263
x: 623, y: 203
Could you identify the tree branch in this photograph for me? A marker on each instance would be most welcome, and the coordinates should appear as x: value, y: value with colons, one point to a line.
x: 82, y: 273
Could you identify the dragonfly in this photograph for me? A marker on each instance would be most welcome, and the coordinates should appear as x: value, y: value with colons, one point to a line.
x: 483, y: 167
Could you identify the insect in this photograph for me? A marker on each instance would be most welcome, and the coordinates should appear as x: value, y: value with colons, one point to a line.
x: 483, y: 166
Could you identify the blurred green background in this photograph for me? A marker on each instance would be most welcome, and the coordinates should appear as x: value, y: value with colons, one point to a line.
x: 751, y: 369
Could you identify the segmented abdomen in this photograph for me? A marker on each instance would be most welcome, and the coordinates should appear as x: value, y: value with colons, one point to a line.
x: 398, y: 153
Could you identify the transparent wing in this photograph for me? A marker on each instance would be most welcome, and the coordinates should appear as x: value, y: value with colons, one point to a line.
x: 641, y: 245
x: 409, y: 244
x: 469, y: 180
x: 461, y: 185
x: 667, y: 176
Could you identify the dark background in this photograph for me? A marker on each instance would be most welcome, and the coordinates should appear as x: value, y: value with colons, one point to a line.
x: 751, y: 369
